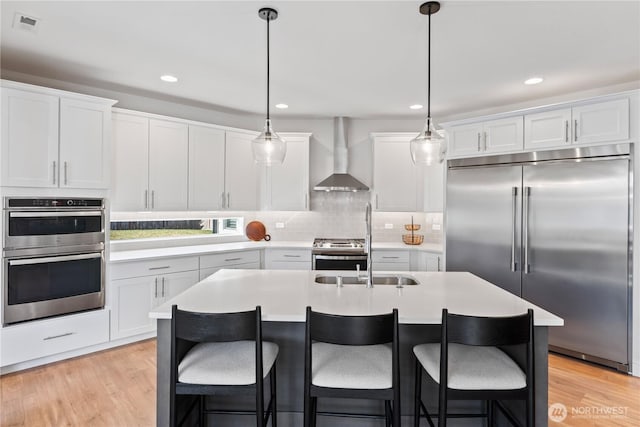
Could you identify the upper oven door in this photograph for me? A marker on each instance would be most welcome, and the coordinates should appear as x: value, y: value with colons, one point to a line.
x: 32, y: 228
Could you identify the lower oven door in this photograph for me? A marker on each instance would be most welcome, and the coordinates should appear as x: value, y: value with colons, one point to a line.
x: 52, y: 285
x: 339, y: 262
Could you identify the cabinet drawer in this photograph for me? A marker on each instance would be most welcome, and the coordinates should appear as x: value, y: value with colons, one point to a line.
x: 287, y: 255
x: 43, y: 338
x: 152, y: 267
x: 228, y: 259
x: 390, y: 256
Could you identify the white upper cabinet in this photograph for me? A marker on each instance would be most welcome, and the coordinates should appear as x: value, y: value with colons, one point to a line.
x: 601, y: 122
x: 547, y: 129
x: 397, y: 183
x: 54, y: 139
x: 464, y: 140
x: 29, y: 139
x: 241, y: 173
x: 493, y: 136
x: 130, y: 173
x: 606, y: 121
x: 286, y: 186
x: 84, y: 144
x: 150, y: 164
x: 168, y: 165
x: 206, y: 168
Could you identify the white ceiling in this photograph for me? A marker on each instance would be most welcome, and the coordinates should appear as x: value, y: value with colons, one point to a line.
x: 330, y: 58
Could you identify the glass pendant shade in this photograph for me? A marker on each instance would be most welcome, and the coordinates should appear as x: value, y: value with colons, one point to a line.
x: 428, y: 147
x: 268, y: 148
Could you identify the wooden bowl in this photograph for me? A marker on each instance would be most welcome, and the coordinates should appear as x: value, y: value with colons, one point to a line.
x: 410, y: 227
x: 413, y: 239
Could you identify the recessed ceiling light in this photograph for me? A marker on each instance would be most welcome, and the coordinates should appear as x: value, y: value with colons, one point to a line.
x: 533, y: 81
x: 416, y: 106
x: 282, y: 106
x: 168, y: 78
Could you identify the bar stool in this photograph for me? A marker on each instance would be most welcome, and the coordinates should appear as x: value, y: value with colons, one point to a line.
x: 468, y: 365
x: 352, y: 357
x: 221, y: 354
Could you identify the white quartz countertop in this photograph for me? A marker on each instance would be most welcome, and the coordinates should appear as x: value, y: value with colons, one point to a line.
x: 285, y: 294
x: 142, y: 254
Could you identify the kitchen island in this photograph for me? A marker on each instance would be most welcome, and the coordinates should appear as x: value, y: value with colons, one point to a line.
x: 284, y: 295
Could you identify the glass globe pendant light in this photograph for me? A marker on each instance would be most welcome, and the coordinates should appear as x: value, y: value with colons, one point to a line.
x: 268, y: 148
x: 428, y: 147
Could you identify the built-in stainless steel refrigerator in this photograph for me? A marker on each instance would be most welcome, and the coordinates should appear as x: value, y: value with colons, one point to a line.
x: 554, y: 227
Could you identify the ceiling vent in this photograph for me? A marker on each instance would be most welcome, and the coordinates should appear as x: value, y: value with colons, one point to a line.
x: 25, y: 22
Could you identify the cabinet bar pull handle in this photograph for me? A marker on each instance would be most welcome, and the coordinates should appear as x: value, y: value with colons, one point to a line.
x: 146, y: 199
x: 163, y: 295
x: 525, y: 230
x: 485, y: 141
x: 514, y: 208
x: 575, y: 130
x: 54, y: 172
x: 376, y: 201
x: 566, y: 131
x: 438, y: 264
x: 223, y: 200
x: 53, y: 337
x: 291, y: 256
x: 390, y: 257
x: 306, y: 200
x: 65, y: 173
x: 233, y: 259
x: 155, y: 293
x: 228, y: 199
x: 159, y: 268
x: 478, y: 141
x: 153, y: 199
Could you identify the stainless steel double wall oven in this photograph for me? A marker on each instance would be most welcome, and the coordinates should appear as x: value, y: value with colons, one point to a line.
x: 53, y: 257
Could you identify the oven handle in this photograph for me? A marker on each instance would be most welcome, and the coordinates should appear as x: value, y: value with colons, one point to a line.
x: 32, y: 214
x: 31, y: 261
x: 341, y: 257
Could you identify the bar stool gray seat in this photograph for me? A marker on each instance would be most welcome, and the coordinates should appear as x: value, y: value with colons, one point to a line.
x: 221, y: 354
x: 352, y: 357
x: 475, y: 368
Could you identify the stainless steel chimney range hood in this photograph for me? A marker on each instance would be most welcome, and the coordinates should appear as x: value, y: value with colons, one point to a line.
x: 340, y: 180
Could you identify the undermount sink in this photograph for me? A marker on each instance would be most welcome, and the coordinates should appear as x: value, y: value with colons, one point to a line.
x: 397, y: 280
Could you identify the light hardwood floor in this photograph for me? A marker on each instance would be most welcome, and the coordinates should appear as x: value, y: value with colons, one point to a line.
x: 117, y: 388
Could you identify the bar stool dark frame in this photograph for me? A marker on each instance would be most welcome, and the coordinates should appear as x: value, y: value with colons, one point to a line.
x: 481, y: 331
x: 352, y: 330
x: 189, y: 328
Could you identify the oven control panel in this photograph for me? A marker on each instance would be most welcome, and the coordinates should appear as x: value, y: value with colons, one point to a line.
x: 53, y: 203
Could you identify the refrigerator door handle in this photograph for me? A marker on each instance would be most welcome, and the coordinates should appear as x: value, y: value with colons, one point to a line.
x: 514, y: 210
x: 525, y: 229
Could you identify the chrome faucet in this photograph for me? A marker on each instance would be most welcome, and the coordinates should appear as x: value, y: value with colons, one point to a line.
x: 367, y: 247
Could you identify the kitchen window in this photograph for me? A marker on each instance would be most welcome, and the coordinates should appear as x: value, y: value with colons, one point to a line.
x: 164, y: 228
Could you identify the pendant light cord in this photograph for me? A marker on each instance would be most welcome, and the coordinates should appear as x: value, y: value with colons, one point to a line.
x: 429, y: 66
x: 268, y: 19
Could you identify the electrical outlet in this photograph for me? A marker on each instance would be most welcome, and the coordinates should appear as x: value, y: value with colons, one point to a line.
x: 388, y: 226
x: 436, y: 227
x: 279, y: 224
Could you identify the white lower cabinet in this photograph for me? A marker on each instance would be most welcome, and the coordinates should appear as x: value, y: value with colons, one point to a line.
x: 42, y: 338
x: 425, y: 261
x: 139, y: 286
x: 287, y: 259
x: 209, y: 264
x: 390, y: 260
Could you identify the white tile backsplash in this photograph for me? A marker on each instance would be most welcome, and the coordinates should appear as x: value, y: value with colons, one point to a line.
x: 334, y: 214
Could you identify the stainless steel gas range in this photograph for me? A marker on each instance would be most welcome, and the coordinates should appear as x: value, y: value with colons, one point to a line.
x: 339, y: 254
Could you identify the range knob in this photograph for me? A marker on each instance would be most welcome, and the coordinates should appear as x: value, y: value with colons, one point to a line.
x: 69, y: 202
